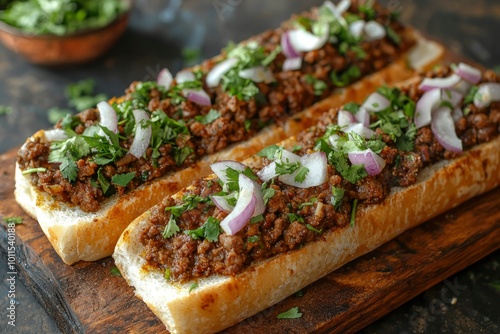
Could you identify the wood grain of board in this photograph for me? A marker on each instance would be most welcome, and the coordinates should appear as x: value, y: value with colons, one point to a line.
x: 87, y: 298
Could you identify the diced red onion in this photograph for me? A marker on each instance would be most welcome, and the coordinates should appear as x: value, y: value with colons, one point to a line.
x: 292, y: 64
x: 250, y: 203
x: 431, y: 83
x: 363, y: 116
x: 451, y: 96
x: 469, y: 73
x: 184, y: 76
x: 165, y: 78
x: 376, y: 102
x: 287, y: 47
x: 108, y: 118
x: 457, y: 114
x: 198, y: 96
x: 55, y: 135
x: 317, y: 165
x: 443, y: 128
x: 462, y: 87
x: 257, y: 74
x: 487, y: 93
x: 338, y: 10
x: 374, y: 31
x: 215, y: 75
x: 221, y: 202
x: 333, y: 139
x: 219, y: 168
x: 356, y: 28
x: 268, y: 172
x: 427, y: 103
x: 304, y: 41
x: 345, y: 118
x: 373, y: 163
x: 361, y: 130
x: 241, y: 214
x: 142, y: 135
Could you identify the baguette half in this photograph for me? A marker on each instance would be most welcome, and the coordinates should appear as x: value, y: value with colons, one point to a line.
x: 77, y: 235
x: 221, y: 301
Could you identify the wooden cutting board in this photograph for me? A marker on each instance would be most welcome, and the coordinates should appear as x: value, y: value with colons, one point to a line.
x: 87, y: 298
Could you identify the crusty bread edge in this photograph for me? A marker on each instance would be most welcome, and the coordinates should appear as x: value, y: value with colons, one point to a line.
x: 219, y: 302
x: 77, y: 235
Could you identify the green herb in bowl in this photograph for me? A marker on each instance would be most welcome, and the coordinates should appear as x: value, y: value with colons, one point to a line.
x: 60, y: 17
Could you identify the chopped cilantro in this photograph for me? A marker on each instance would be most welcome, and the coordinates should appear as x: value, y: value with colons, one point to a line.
x: 253, y: 238
x: 103, y: 182
x: 181, y: 154
x: 190, y: 56
x: 393, y: 35
x: 247, y: 124
x: 309, y: 203
x: 193, y: 286
x: 367, y: 9
x: 13, y: 220
x: 296, y: 148
x: 267, y: 193
x: 210, y: 230
x: 122, y: 179
x: 346, y: 77
x: 293, y: 217
x: 171, y: 228
x: 301, y: 174
x: 469, y: 98
x: 352, y: 107
x: 34, y: 170
x: 312, y: 228
x: 56, y: 114
x: 115, y: 272
x: 211, y: 116
x: 318, y: 86
x: 353, y: 212
x: 81, y: 95
x: 292, y: 313
x: 5, y: 110
x: 256, y: 219
x: 270, y: 152
x: 337, y: 197
x: 167, y: 274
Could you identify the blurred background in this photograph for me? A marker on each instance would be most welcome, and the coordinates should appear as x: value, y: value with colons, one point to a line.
x: 179, y: 33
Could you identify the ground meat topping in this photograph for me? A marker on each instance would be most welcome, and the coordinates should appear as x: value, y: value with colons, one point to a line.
x: 238, y: 119
x: 293, y: 216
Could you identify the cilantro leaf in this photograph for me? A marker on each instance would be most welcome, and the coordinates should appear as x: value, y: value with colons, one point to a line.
x: 5, y: 110
x: 318, y: 86
x: 122, y: 179
x: 211, y: 116
x: 13, y: 220
x: 103, y: 182
x: 301, y: 174
x: 337, y: 197
x: 253, y: 238
x: 312, y: 228
x: 293, y: 217
x: 115, y: 272
x: 346, y: 77
x: 171, y: 228
x: 270, y: 152
x: 352, y: 107
x: 69, y: 169
x: 210, y: 230
x: 292, y: 313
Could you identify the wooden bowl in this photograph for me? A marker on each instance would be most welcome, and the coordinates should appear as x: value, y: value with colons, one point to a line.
x: 76, y: 48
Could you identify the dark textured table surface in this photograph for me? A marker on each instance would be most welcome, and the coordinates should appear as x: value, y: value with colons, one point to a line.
x: 159, y: 29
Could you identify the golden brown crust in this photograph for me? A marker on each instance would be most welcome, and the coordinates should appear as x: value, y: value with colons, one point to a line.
x: 206, y: 309
x: 77, y: 235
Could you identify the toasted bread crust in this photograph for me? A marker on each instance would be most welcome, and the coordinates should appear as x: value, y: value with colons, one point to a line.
x: 219, y: 301
x: 77, y: 235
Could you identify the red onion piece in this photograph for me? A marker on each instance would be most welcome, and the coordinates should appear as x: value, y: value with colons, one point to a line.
x: 343, y: 6
x: 287, y: 47
x: 108, y: 118
x: 462, y: 87
x: 142, y: 134
x: 457, y: 114
x: 376, y: 102
x: 219, y: 168
x: 374, y: 31
x: 215, y: 75
x: 292, y: 64
x: 241, y: 214
x: 345, y: 118
x: 451, y: 96
x: 197, y: 96
x: 363, y: 116
x: 257, y: 74
x: 268, y: 172
x: 317, y: 165
x: 184, y: 76
x: 333, y: 139
x: 443, y: 128
x: 55, y: 135
x: 361, y: 130
x: 373, y: 163
x: 487, y: 93
x: 469, y: 73
x: 423, y: 110
x: 338, y: 10
x: 431, y: 83
x: 221, y: 202
x: 304, y: 41
x: 165, y: 78
x: 357, y: 27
